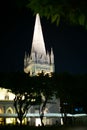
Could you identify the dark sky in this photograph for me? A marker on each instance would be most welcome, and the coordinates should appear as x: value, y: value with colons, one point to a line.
x: 16, y: 27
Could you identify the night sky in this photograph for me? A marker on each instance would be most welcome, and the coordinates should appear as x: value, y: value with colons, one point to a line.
x: 16, y: 27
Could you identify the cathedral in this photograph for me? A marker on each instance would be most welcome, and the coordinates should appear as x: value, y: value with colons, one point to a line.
x: 39, y: 60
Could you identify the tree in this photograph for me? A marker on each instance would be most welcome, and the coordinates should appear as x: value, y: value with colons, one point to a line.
x: 36, y: 90
x: 23, y: 101
x: 25, y: 93
x: 72, y: 92
x: 47, y: 91
x: 70, y: 11
x: 39, y: 90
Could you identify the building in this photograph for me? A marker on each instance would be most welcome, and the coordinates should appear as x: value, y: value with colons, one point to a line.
x: 6, y: 106
x: 39, y: 60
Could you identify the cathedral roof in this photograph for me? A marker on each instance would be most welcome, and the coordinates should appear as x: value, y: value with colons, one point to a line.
x: 38, y: 44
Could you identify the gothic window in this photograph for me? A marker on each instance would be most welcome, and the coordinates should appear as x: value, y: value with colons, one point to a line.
x: 9, y: 110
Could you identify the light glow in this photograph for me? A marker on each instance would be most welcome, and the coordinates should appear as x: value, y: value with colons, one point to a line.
x: 4, y: 92
x: 38, y: 44
x: 38, y: 122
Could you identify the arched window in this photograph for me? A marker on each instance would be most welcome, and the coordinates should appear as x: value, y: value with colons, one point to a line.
x: 9, y: 110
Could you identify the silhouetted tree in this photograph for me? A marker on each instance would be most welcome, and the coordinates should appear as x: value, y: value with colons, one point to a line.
x: 71, y: 89
x: 26, y: 94
x: 45, y: 85
x: 72, y: 92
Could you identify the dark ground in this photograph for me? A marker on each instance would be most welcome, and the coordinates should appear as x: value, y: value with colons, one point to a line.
x: 43, y: 128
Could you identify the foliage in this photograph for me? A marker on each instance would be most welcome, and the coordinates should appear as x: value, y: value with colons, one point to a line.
x: 45, y: 85
x: 25, y: 93
x: 71, y: 89
x: 70, y: 11
x: 72, y: 92
x: 36, y: 90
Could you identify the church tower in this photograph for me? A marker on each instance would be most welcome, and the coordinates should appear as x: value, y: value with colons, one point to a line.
x: 39, y: 60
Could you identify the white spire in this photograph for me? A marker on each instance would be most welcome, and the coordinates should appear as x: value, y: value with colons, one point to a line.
x: 39, y: 60
x: 38, y: 44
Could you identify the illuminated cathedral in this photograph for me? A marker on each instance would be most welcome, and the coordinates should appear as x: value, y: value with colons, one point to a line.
x: 39, y: 60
